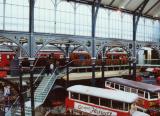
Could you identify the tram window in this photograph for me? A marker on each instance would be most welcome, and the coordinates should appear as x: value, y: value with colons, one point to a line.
x: 105, y: 102
x: 94, y: 100
x: 153, y: 95
x: 117, y: 105
x: 122, y: 87
x: 84, y: 97
x: 116, y: 86
x: 74, y: 95
x: 8, y: 57
x: 141, y: 93
x: 146, y: 95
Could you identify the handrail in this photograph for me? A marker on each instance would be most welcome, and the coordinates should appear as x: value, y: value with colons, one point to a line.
x: 12, y: 106
x: 68, y: 63
x: 35, y: 80
x: 36, y: 61
x: 54, y: 74
x: 39, y: 75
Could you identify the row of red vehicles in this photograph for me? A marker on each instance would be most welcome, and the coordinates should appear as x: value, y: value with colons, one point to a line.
x: 80, y: 58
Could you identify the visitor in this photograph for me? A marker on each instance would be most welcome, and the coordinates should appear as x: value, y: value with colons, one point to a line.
x: 47, y: 68
x: 51, y: 68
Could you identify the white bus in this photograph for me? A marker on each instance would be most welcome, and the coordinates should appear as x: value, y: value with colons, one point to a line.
x: 86, y: 100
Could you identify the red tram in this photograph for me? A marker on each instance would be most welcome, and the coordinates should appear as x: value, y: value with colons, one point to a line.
x: 82, y: 58
x: 79, y: 58
x: 5, y: 58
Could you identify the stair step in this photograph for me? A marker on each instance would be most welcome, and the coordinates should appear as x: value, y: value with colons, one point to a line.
x: 41, y: 87
x: 18, y: 112
x: 44, y: 81
x: 42, y: 93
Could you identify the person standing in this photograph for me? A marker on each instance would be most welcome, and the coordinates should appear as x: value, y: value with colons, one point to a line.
x: 51, y: 68
x: 6, y: 95
x: 47, y: 68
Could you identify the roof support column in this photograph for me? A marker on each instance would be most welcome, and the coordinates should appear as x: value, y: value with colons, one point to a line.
x: 67, y: 63
x: 75, y: 7
x: 4, y: 13
x: 95, y: 8
x: 55, y: 15
x: 31, y: 27
x: 103, y: 65
x: 21, y: 87
x: 31, y: 49
x: 136, y: 16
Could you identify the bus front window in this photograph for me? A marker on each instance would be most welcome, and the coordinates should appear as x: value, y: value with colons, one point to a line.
x: 74, y: 95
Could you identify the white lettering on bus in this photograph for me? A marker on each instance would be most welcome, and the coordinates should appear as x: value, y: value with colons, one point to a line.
x: 93, y: 110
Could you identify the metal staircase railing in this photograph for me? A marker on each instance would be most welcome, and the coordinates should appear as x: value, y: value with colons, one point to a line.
x: 16, y: 105
x: 59, y: 72
x: 13, y: 108
x: 46, y: 84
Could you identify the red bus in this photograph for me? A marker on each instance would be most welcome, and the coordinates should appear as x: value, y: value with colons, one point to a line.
x: 86, y: 100
x: 149, y: 95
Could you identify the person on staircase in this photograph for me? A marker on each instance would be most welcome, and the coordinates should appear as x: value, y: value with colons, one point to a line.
x: 51, y: 68
x: 47, y: 68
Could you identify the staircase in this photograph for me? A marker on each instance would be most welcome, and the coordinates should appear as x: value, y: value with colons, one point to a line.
x: 42, y: 91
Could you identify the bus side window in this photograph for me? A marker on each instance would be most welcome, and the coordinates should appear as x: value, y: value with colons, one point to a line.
x: 146, y: 95
x: 74, y: 95
x: 141, y: 93
x: 108, y: 83
x: 126, y: 106
x: 127, y: 89
x: 112, y: 85
x: 116, y: 86
x: 133, y: 90
x: 94, y: 100
x: 153, y: 95
x: 84, y: 97
x: 105, y: 102
x: 122, y: 87
x: 117, y: 105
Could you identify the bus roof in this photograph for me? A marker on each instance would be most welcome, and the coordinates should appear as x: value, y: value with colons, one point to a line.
x: 134, y: 84
x: 104, y: 93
